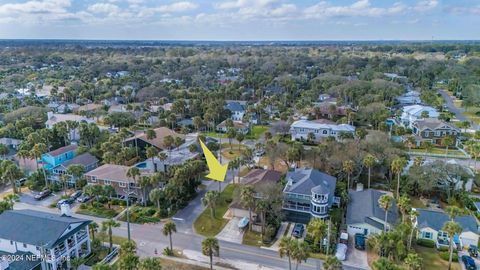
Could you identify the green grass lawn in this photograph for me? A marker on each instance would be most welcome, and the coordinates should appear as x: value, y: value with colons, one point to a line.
x: 215, y: 134
x: 117, y: 240
x: 439, y: 151
x: 243, y: 172
x: 141, y: 215
x: 471, y: 114
x: 256, y: 132
x: 432, y: 261
x: 252, y: 238
x: 207, y: 226
x: 96, y: 257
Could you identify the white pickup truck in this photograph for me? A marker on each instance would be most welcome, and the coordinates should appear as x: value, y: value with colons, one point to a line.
x: 341, y: 252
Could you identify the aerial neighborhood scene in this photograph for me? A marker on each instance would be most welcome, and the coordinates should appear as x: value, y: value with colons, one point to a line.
x: 239, y: 134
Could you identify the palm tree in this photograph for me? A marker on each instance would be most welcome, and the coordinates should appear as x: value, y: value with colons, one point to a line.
x: 76, y: 171
x: 348, y: 168
x: 107, y: 226
x: 368, y: 161
x: 150, y: 263
x: 285, y: 248
x: 413, y: 261
x: 397, y: 167
x: 76, y: 262
x: 409, y: 142
x: 446, y: 142
x: 300, y: 252
x: 318, y: 229
x: 93, y: 227
x: 453, y: 212
x: 248, y: 200
x: 36, y: 153
x: 428, y: 146
x: 210, y: 200
x: 413, y: 216
x: 168, y: 229
x: 102, y: 266
x: 11, y: 173
x: 404, y: 205
x: 210, y: 247
x: 240, y: 137
x: 152, y: 153
x: 156, y: 195
x: 451, y: 228
x: 332, y: 263
x: 385, y: 202
x: 64, y: 180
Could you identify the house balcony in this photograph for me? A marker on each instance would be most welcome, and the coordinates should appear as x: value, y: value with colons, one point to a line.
x: 60, y: 252
x: 296, y: 207
x: 81, y: 236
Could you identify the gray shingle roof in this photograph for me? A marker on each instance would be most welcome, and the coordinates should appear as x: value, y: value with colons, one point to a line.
x: 302, y: 181
x: 363, y: 205
x: 235, y: 107
x: 84, y: 159
x: 436, y: 220
x: 21, y: 264
x: 35, y: 228
x: 62, y: 150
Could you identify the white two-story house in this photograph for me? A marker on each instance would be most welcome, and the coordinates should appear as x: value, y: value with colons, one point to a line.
x: 33, y: 235
x: 301, y: 129
x: 412, y: 113
x: 237, y: 109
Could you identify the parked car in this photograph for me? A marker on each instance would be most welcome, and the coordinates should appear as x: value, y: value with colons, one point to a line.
x: 298, y: 230
x: 344, y: 238
x: 259, y: 153
x: 42, y: 194
x: 65, y: 201
x: 469, y: 262
x: 473, y: 251
x: 360, y: 241
x: 341, y: 252
x: 83, y: 198
x: 20, y: 182
x: 76, y: 194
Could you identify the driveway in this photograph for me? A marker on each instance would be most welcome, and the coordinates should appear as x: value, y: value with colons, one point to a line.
x: 231, y: 232
x: 463, y: 252
x: 355, y: 257
x: 27, y: 197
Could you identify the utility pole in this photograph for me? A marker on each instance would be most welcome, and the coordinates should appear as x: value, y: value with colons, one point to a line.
x: 128, y: 210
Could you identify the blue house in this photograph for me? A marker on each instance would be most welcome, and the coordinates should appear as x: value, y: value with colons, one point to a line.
x: 56, y: 157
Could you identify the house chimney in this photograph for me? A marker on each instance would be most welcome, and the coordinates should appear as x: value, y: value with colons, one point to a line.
x: 65, y: 210
x: 359, y: 187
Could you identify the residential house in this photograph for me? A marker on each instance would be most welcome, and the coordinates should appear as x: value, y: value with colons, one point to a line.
x: 238, y: 126
x: 237, y: 109
x: 320, y: 129
x: 54, y: 118
x: 142, y: 142
x: 327, y: 98
x: 175, y: 156
x: 330, y: 110
x: 58, y: 156
x: 116, y: 176
x: 308, y: 193
x: 433, y: 130
x: 364, y: 214
x: 413, y: 113
x: 10, y: 142
x: 86, y: 160
x: 410, y: 98
x: 258, y: 178
x: 430, y: 223
x: 33, y: 234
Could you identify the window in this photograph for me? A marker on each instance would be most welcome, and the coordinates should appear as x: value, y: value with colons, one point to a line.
x: 107, y: 182
x: 427, y: 235
x: 11, y: 242
x: 93, y: 179
x: 325, y: 132
x: 122, y: 184
x: 25, y: 245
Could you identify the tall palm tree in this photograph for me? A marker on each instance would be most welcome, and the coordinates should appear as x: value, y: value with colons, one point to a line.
x: 107, y: 226
x: 93, y: 227
x: 156, y: 195
x: 348, y: 168
x: 169, y: 228
x: 397, y: 167
x: 385, y: 202
x: 332, y: 263
x: 11, y: 173
x: 248, y: 200
x: 210, y: 248
x: 404, y: 205
x: 368, y: 161
x: 285, y: 248
x: 152, y: 153
x: 210, y: 200
x: 300, y: 253
x: 453, y: 212
x: 36, y: 153
x: 451, y: 228
x: 413, y: 216
x: 447, y: 142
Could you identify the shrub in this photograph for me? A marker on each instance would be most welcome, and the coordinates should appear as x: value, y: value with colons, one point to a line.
x: 442, y: 248
x: 229, y: 200
x: 445, y: 255
x: 167, y: 252
x: 83, y: 206
x: 426, y: 243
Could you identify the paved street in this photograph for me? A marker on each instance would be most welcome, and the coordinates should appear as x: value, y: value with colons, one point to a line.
x: 454, y: 109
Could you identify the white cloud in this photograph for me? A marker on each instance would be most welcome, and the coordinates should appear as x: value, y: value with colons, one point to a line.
x: 176, y: 7
x: 361, y: 8
x: 103, y: 8
x: 425, y: 5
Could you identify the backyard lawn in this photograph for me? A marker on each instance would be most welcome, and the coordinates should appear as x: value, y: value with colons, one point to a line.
x: 252, y: 238
x: 215, y: 134
x: 432, y: 261
x: 207, y: 226
x: 232, y: 152
x: 256, y: 132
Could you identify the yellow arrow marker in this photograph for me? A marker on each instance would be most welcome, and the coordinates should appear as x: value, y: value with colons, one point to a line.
x: 217, y: 170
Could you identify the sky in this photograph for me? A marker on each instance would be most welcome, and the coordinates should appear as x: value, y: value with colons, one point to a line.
x: 240, y: 19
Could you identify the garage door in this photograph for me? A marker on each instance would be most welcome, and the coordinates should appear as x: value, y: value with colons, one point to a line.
x: 351, y: 230
x: 466, y: 242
